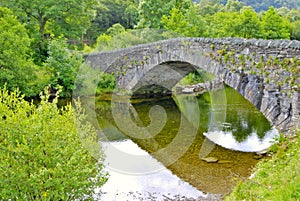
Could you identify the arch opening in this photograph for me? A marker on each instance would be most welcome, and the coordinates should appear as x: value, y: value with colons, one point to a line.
x: 162, y: 79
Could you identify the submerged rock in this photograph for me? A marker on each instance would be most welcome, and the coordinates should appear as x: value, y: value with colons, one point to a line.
x: 225, y: 161
x: 262, y: 152
x: 257, y: 157
x: 210, y: 159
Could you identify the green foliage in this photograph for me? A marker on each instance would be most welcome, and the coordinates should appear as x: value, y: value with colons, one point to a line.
x: 212, y: 19
x: 248, y: 25
x: 151, y: 11
x: 278, y: 143
x: 42, y: 155
x: 53, y: 17
x: 274, y: 26
x: 116, y: 37
x: 123, y: 40
x: 107, y: 83
x: 191, y: 78
x: 89, y: 79
x: 63, y: 64
x: 222, y: 24
x: 260, y: 5
x: 196, y: 77
x: 295, y: 30
x: 187, y: 22
x: 103, y: 42
x: 115, y: 30
x: 124, y: 12
x: 175, y: 21
x: 39, y: 59
x: 209, y: 7
x: 15, y: 41
x: 234, y: 6
x: 16, y: 67
x: 276, y: 179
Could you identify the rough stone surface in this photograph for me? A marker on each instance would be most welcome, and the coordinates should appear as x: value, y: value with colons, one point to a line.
x: 164, y: 63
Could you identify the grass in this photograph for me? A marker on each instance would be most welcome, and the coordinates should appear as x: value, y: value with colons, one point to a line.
x: 196, y: 77
x: 277, y: 179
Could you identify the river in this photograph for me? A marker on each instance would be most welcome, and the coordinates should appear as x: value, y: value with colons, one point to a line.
x: 158, y: 149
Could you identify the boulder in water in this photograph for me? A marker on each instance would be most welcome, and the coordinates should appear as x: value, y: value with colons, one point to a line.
x: 210, y: 159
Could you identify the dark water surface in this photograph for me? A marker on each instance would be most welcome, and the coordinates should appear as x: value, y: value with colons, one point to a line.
x: 155, y: 147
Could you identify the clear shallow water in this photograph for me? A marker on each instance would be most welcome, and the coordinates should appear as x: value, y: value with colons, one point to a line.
x: 155, y: 152
x: 159, y: 185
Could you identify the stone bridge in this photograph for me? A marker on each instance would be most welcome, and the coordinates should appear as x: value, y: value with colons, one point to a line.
x: 265, y: 72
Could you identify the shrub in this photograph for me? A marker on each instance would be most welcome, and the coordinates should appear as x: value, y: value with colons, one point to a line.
x: 17, y: 69
x: 42, y: 156
x: 63, y: 64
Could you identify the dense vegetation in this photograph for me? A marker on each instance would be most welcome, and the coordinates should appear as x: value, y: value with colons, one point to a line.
x: 40, y: 35
x: 41, y: 44
x: 259, y: 5
x: 42, y: 155
x: 276, y: 179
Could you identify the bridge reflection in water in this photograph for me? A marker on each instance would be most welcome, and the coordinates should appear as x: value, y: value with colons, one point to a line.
x: 234, y: 124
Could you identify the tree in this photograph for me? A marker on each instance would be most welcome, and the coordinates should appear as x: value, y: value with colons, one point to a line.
x: 59, y: 17
x: 274, y: 26
x: 63, y: 64
x: 197, y: 25
x: 151, y: 11
x: 175, y: 21
x: 260, y: 5
x: 293, y: 16
x: 295, y: 30
x: 222, y: 24
x: 186, y: 22
x: 248, y: 25
x: 234, y: 6
x: 208, y: 7
x: 16, y: 67
x: 42, y: 155
x: 117, y: 37
x: 115, y: 30
x: 124, y: 12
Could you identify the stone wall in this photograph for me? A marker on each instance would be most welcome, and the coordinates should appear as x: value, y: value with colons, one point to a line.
x: 266, y: 72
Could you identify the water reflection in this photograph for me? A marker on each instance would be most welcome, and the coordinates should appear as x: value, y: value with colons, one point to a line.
x: 251, y: 144
x: 155, y: 186
x: 233, y: 124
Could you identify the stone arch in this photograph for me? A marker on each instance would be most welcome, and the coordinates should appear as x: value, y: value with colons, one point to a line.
x: 240, y: 71
x: 160, y: 64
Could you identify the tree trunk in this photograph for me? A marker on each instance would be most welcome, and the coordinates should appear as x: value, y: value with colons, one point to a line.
x: 42, y: 23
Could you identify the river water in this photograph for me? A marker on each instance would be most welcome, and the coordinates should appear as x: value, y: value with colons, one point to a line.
x: 157, y: 149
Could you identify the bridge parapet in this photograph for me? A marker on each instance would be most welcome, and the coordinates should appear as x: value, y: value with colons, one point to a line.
x: 266, y: 72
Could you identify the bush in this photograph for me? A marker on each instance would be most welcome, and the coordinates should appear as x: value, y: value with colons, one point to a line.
x: 42, y: 156
x: 275, y: 179
x: 63, y: 64
x: 17, y: 69
x: 91, y: 82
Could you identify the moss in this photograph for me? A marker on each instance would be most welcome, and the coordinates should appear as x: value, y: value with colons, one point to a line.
x: 267, y: 80
x: 221, y: 52
x: 226, y: 58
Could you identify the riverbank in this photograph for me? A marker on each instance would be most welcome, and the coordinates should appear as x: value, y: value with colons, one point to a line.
x: 274, y: 179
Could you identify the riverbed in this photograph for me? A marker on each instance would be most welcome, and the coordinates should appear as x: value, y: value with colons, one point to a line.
x: 156, y: 149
